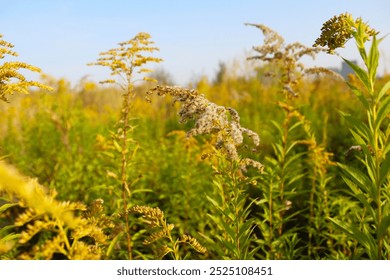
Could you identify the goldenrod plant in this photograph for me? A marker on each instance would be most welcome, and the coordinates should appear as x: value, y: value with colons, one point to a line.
x: 369, y: 182
x: 11, y: 80
x: 125, y: 62
x: 46, y: 228
x: 283, y: 182
x: 230, y: 198
x: 159, y: 229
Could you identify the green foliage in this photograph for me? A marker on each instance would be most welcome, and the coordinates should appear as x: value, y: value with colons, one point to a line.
x: 231, y: 213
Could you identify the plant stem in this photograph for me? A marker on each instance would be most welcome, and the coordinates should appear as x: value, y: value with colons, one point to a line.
x: 376, y: 151
x: 271, y: 209
x: 283, y: 169
x: 236, y: 208
x: 127, y: 97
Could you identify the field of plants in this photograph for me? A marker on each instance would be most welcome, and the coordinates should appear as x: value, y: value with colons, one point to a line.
x: 276, y: 161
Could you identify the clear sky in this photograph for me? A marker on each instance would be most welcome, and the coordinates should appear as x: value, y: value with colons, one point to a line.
x: 61, y: 36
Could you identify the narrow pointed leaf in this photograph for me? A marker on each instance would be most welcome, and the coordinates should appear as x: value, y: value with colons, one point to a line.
x: 360, y: 73
x: 383, y: 111
x: 359, y: 178
x: 373, y: 59
x: 364, y: 239
x: 358, y: 126
x: 6, y: 206
x: 385, y: 170
x: 383, y: 227
x: 360, y: 95
x: 384, y: 90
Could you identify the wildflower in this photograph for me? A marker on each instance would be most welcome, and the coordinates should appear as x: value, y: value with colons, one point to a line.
x: 194, y: 243
x: 284, y: 57
x: 272, y: 43
x: 11, y: 78
x: 153, y: 216
x: 323, y: 70
x: 210, y: 118
x: 339, y: 29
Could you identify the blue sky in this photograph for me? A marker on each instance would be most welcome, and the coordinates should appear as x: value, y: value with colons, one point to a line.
x: 194, y: 36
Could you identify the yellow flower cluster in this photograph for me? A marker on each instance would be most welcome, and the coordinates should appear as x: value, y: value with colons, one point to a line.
x: 129, y: 55
x: 152, y: 216
x: 160, y: 229
x: 66, y: 232
x: 11, y: 80
x: 193, y: 242
x: 339, y: 29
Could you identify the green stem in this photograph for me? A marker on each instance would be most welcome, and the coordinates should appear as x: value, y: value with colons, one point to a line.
x: 236, y: 208
x: 376, y: 152
x: 377, y: 160
x: 175, y: 244
x: 125, y: 188
x: 270, y: 206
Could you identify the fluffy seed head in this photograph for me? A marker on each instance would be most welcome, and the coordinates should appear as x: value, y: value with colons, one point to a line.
x: 210, y: 118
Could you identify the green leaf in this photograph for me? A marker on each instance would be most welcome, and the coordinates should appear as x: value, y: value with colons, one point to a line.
x: 366, y: 201
x: 366, y: 240
x: 220, y: 222
x: 358, y: 126
x: 111, y: 155
x: 277, y: 126
x: 383, y: 111
x: 359, y: 95
x: 213, y: 202
x: 3, y: 230
x: 359, y: 41
x: 290, y: 148
x: 231, y: 248
x: 293, y: 160
x: 383, y: 227
x: 117, y: 146
x: 10, y: 237
x: 112, y: 244
x: 384, y: 170
x: 359, y: 140
x: 296, y: 178
x: 295, y: 126
x: 142, y: 191
x: 373, y: 60
x: 384, y: 90
x: 360, y: 179
x: 245, y: 230
x: 360, y: 73
x: 6, y: 206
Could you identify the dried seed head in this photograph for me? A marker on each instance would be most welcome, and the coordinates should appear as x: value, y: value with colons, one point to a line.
x: 326, y: 71
x: 284, y: 57
x: 210, y: 118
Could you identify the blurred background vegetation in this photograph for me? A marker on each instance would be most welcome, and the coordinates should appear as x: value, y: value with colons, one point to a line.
x: 61, y: 139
